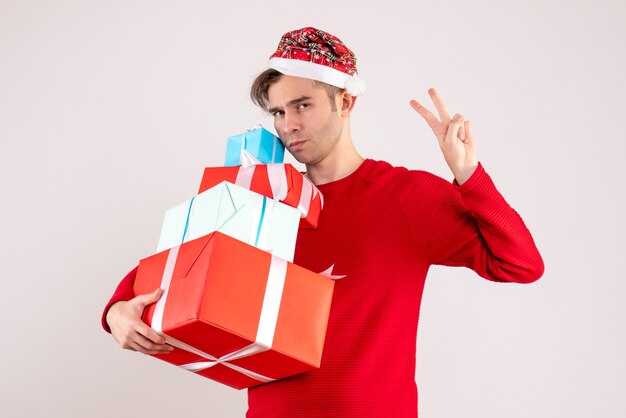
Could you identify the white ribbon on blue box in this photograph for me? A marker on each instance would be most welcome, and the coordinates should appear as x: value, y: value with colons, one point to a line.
x: 233, y: 210
x: 260, y: 143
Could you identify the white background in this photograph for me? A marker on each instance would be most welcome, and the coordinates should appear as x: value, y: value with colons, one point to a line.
x: 109, y: 110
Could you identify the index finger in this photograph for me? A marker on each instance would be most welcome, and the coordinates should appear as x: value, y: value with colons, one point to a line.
x: 440, y: 106
x: 431, y: 119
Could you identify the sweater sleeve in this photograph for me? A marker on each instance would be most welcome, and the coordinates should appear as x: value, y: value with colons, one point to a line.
x: 124, y: 291
x: 472, y: 225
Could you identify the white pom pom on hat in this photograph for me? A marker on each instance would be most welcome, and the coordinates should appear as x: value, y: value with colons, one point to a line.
x: 355, y: 85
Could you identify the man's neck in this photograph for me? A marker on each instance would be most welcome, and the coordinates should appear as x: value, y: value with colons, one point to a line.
x: 336, y: 166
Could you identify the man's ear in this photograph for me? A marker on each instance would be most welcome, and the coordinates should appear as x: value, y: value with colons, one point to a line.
x: 347, y: 103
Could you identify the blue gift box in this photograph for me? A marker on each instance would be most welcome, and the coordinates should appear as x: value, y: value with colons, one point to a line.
x: 260, y: 142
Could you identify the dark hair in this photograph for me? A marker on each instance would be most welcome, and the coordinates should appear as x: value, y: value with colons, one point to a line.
x: 262, y: 83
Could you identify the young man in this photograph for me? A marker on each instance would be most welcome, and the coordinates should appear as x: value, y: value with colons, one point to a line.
x: 381, y: 227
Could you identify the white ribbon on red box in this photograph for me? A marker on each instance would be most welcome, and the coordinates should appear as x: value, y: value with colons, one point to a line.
x: 277, y: 174
x: 265, y: 330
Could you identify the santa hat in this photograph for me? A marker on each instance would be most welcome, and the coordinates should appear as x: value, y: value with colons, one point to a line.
x: 318, y: 55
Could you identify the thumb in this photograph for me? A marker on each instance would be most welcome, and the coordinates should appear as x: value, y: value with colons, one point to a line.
x: 469, y: 136
x: 148, y: 298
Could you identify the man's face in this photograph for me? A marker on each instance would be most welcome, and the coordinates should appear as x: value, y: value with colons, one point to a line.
x: 304, y: 118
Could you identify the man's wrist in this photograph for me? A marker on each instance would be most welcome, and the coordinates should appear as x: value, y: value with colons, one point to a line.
x: 463, y: 175
x: 106, y: 316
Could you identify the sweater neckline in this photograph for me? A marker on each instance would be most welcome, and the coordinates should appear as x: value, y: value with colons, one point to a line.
x: 347, y: 178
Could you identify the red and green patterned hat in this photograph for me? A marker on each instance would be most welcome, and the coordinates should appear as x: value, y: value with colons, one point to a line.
x: 318, y: 55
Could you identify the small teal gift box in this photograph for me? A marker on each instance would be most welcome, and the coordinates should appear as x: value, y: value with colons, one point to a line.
x: 259, y: 143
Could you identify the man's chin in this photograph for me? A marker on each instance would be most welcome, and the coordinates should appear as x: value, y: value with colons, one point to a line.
x: 300, y: 157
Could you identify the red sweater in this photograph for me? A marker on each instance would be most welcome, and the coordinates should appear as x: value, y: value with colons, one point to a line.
x: 382, y: 227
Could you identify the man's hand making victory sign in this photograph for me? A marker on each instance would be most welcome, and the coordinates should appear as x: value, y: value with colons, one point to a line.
x: 454, y: 136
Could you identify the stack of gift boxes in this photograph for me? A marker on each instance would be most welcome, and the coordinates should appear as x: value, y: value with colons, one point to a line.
x: 234, y: 306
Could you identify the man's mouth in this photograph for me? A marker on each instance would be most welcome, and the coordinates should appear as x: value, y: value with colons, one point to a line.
x: 293, y: 145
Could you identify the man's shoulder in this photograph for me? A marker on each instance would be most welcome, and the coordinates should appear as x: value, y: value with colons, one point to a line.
x: 385, y: 174
x: 418, y: 194
x: 409, y: 187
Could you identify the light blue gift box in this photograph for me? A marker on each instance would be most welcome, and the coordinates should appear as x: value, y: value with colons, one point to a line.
x: 236, y: 211
x: 259, y: 142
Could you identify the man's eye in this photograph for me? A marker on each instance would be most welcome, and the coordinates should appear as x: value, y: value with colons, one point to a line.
x: 303, y: 105
x: 278, y: 113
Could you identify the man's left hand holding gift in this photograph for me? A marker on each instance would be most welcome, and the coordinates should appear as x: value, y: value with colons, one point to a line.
x: 130, y: 332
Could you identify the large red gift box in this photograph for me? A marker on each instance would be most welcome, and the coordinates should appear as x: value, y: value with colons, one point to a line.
x: 234, y: 313
x: 277, y: 181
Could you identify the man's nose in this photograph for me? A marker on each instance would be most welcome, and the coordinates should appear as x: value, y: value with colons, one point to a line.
x: 291, y: 123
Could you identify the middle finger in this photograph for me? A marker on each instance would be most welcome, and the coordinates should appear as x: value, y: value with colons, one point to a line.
x: 444, y: 115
